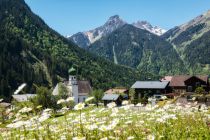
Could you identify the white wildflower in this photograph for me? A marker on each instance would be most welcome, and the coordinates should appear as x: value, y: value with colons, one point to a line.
x: 111, y: 105
x: 25, y: 110
x: 91, y: 127
x: 79, y: 106
x: 149, y: 99
x: 64, y: 109
x: 89, y: 99
x: 141, y: 122
x: 125, y: 102
x: 139, y: 105
x: 101, y: 110
x: 61, y: 101
x: 44, y: 117
x: 150, y: 137
x: 163, y: 97
x: 105, y: 138
x: 63, y: 137
x: 129, y: 122
x: 114, y: 123
x: 78, y: 138
x: 39, y: 106
x: 130, y: 137
x: 195, y: 103
x: 194, y: 98
x: 69, y: 99
x: 47, y: 110
x: 16, y: 125
x: 103, y: 128
x: 1, y: 100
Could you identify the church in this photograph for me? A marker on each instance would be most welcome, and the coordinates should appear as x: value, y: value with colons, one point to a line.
x: 79, y: 89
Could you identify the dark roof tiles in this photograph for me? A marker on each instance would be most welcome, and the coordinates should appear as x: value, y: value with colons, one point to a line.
x: 150, y: 85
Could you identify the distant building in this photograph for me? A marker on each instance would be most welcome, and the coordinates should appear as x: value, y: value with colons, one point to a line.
x: 5, y: 105
x: 108, y: 98
x: 117, y: 90
x: 149, y: 88
x: 80, y: 90
x: 23, y: 97
x: 186, y: 83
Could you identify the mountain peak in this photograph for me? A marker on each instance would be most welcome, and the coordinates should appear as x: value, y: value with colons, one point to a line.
x: 114, y: 17
x: 114, y: 20
x: 145, y: 25
x: 113, y: 23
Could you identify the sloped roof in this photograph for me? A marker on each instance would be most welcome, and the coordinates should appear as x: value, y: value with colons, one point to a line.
x: 150, y: 85
x: 116, y: 90
x: 178, y: 80
x: 84, y: 88
x: 111, y: 97
x: 167, y: 78
x: 23, y: 97
x: 203, y: 77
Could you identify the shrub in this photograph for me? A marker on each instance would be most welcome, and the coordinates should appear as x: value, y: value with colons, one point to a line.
x: 98, y: 95
x: 45, y: 98
x: 199, y: 90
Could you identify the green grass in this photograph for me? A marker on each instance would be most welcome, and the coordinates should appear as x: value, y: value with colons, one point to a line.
x: 168, y: 122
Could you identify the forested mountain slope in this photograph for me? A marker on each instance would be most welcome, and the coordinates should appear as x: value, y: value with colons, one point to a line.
x: 33, y: 53
x: 192, y: 42
x: 139, y: 49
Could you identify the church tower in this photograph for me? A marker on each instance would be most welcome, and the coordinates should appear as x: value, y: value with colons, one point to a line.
x: 73, y: 85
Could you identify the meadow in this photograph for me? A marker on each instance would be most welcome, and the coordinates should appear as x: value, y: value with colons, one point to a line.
x: 128, y: 122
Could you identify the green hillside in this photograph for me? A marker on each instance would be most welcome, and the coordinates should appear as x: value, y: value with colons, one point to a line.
x: 192, y: 42
x: 35, y: 54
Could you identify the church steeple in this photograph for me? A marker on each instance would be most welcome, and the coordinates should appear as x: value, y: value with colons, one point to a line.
x: 73, y: 85
x: 72, y: 76
x: 72, y: 71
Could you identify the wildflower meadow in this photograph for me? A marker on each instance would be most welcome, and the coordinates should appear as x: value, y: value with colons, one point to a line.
x: 128, y: 122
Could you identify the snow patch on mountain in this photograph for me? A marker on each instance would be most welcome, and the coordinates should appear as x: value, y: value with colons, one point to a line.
x: 147, y: 26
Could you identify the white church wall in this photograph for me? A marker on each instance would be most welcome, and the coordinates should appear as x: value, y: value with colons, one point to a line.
x: 82, y: 98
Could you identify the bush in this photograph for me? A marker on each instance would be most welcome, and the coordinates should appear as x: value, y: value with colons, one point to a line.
x: 98, y: 95
x: 199, y: 90
x: 45, y: 98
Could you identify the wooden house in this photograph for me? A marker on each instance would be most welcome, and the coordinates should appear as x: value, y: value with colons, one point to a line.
x: 150, y: 88
x: 186, y: 83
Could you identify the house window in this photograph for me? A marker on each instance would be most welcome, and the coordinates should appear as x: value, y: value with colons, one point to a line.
x: 197, y: 84
x: 189, y: 88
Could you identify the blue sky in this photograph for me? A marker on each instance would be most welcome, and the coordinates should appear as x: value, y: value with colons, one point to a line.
x: 71, y: 16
